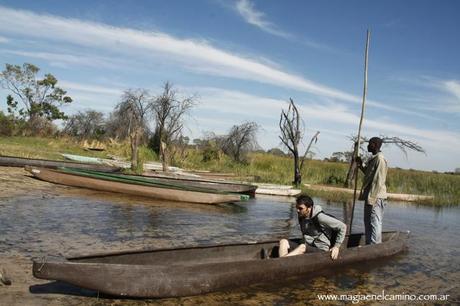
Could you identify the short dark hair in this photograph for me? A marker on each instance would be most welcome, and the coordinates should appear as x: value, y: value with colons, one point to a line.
x: 304, y: 199
x: 378, y: 141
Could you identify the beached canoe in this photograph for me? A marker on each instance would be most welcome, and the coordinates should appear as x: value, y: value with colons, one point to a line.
x: 223, y: 186
x: 11, y: 161
x: 121, y: 184
x: 83, y: 159
x: 278, y: 192
x: 117, y: 163
x: 198, y: 270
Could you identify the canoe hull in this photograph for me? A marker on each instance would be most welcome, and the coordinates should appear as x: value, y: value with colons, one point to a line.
x: 221, y: 186
x: 218, y: 270
x: 138, y: 190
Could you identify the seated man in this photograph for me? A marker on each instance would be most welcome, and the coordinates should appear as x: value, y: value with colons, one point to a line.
x: 318, y: 229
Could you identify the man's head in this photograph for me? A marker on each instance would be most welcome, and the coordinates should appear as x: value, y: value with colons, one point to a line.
x: 375, y: 143
x: 304, y: 205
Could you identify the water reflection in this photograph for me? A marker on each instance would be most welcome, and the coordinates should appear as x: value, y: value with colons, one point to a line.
x: 98, y: 222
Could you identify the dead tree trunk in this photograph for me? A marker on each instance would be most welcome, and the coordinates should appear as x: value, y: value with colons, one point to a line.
x: 351, y: 169
x: 291, y: 134
x: 134, y: 140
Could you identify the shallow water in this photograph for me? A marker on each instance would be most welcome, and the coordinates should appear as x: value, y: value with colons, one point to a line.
x: 96, y: 222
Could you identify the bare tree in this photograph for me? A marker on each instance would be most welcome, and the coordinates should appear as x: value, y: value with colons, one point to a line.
x: 169, y: 111
x: 400, y: 143
x: 240, y: 140
x: 88, y: 124
x: 116, y: 126
x: 135, y: 107
x: 292, y: 131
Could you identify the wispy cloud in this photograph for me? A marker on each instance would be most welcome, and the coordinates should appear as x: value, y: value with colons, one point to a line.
x: 247, y: 10
x: 431, y: 93
x: 97, y: 97
x: 90, y: 88
x: 198, y: 56
x: 64, y: 59
x: 453, y: 87
x: 237, y: 104
x: 452, y: 90
x: 3, y: 40
x: 251, y: 15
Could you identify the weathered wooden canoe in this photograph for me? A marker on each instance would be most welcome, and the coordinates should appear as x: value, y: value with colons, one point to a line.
x: 135, y: 188
x: 83, y: 159
x: 197, y: 270
x: 278, y: 192
x: 222, y: 186
x: 116, y: 163
x: 11, y: 161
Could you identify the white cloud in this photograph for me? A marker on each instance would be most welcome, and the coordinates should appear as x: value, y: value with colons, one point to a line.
x: 247, y: 10
x: 237, y: 104
x: 430, y: 93
x: 196, y: 55
x: 3, y: 40
x: 453, y: 87
x: 62, y: 59
x: 93, y: 89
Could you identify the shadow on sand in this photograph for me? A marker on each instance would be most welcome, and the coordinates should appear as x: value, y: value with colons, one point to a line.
x: 58, y: 287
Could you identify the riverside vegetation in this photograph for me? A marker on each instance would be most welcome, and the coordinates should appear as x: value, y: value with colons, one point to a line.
x: 259, y: 167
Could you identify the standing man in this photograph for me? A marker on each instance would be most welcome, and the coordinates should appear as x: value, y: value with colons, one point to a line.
x: 374, y: 191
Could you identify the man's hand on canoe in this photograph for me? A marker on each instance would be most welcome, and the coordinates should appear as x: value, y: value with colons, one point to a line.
x: 334, y: 253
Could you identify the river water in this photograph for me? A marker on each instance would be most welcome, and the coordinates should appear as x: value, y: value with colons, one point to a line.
x: 97, y: 222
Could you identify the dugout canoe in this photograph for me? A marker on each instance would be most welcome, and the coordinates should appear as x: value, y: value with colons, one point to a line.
x: 197, y: 270
x: 83, y: 159
x: 11, y: 161
x: 105, y: 182
x: 116, y: 163
x: 222, y: 186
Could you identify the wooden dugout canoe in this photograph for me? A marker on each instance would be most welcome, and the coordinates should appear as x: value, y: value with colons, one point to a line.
x: 11, y: 161
x: 222, y: 186
x: 198, y: 270
x: 161, y: 193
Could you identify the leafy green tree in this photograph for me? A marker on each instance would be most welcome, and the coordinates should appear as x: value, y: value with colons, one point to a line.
x: 41, y: 98
x: 6, y: 124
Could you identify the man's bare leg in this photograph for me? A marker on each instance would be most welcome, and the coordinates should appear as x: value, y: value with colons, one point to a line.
x: 298, y: 250
x: 284, y: 247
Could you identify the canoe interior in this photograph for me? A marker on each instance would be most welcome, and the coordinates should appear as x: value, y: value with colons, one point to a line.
x: 207, y: 254
x: 212, y: 185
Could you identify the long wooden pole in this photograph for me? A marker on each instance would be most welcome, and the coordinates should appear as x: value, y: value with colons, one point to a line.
x: 360, y: 125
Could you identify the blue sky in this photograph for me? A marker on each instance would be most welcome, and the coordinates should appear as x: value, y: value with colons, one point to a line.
x: 244, y: 59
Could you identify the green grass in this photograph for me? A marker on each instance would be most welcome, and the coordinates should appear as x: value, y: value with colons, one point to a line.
x: 267, y: 168
x: 260, y: 167
x: 52, y: 148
